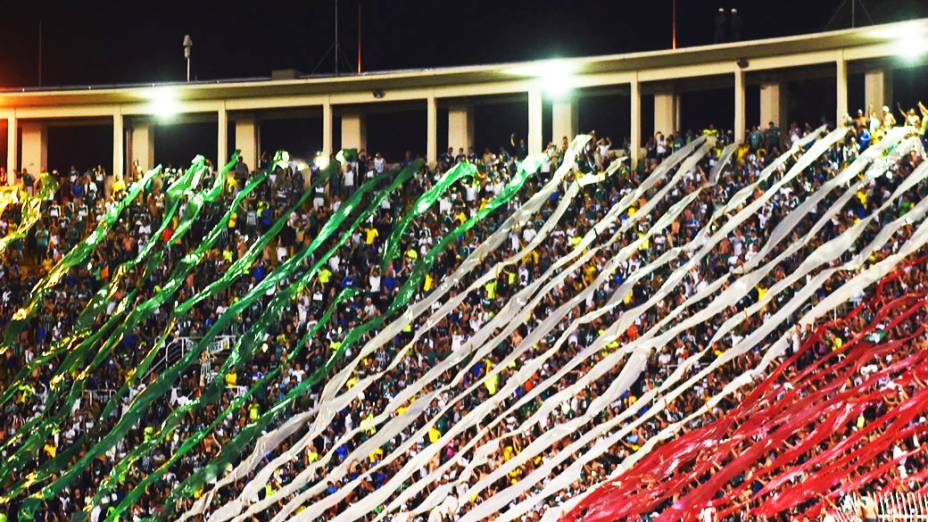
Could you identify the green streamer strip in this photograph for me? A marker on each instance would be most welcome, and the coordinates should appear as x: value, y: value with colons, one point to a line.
x: 162, y: 384
x: 231, y: 450
x: 425, y: 201
x: 31, y: 212
x: 236, y: 403
x: 71, y: 259
x: 95, y: 307
x: 75, y: 358
x: 247, y: 344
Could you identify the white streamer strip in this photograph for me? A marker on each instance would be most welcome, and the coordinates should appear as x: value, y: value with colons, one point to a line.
x: 655, y: 227
x: 500, y: 318
x: 273, y: 439
x: 825, y: 254
x: 632, y: 314
x: 916, y: 213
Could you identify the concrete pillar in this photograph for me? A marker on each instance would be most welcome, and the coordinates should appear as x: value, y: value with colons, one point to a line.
x: 878, y: 89
x: 246, y: 140
x: 327, y: 129
x: 841, y: 109
x: 119, y: 155
x: 222, y: 139
x: 461, y: 127
x: 35, y: 147
x: 12, y: 146
x: 141, y: 146
x: 665, y: 113
x: 772, y: 105
x: 535, y: 144
x: 354, y: 130
x: 565, y: 120
x: 740, y: 118
x: 634, y: 146
x: 677, y: 114
x: 431, y: 147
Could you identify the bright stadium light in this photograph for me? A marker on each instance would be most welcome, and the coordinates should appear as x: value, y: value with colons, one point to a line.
x: 321, y: 161
x: 163, y: 103
x: 911, y: 47
x: 909, y: 41
x: 556, y: 76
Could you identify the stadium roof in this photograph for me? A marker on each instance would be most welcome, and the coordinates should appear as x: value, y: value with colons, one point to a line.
x: 878, y: 41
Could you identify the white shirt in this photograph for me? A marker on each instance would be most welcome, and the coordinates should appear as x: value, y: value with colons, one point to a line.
x: 707, y: 514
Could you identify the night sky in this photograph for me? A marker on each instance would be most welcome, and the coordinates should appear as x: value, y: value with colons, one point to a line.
x: 140, y: 42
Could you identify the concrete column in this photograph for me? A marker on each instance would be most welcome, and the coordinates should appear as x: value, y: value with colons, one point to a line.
x: 12, y: 144
x: 535, y: 144
x: 878, y: 89
x: 565, y: 120
x: 141, y: 146
x: 431, y: 147
x: 772, y: 105
x: 740, y: 118
x: 841, y: 110
x: 461, y: 127
x: 677, y: 114
x: 35, y: 147
x: 634, y: 145
x: 665, y: 113
x: 354, y: 130
x: 222, y: 139
x: 119, y: 155
x: 246, y: 140
x: 327, y: 129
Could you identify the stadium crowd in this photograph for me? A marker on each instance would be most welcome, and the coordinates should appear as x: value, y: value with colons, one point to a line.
x: 739, y: 246
x: 73, y: 206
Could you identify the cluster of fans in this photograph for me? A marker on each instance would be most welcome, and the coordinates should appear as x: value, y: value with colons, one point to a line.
x: 161, y: 373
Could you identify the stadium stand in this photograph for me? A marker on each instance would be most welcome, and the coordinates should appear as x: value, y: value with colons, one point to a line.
x: 722, y: 332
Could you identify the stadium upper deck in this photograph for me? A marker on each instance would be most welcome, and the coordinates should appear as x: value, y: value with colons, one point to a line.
x: 132, y: 110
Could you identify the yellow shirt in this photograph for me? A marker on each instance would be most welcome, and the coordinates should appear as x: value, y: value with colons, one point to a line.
x: 434, y: 435
x: 375, y: 455
x: 372, y: 235
x: 491, y: 289
x: 325, y: 275
x: 368, y: 425
x: 492, y: 383
x: 51, y: 450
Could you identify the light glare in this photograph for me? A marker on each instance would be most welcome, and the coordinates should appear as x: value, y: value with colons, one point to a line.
x: 911, y: 47
x: 556, y: 77
x: 163, y: 103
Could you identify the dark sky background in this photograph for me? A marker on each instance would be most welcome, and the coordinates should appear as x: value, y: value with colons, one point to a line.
x: 140, y: 42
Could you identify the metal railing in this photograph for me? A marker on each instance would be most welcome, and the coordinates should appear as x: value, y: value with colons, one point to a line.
x: 179, y: 346
x: 99, y: 396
